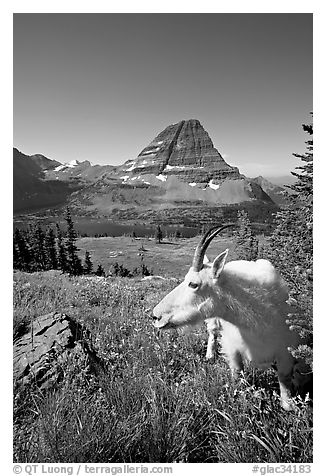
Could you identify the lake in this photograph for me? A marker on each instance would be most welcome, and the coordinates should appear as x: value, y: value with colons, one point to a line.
x: 94, y: 227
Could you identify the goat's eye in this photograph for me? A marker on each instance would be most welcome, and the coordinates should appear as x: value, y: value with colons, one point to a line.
x: 193, y: 285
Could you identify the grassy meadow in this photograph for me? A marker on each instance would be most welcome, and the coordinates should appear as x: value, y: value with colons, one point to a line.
x: 170, y: 258
x: 155, y: 399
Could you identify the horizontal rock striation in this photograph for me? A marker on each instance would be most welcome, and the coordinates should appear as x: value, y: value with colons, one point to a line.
x: 179, y: 168
x: 185, y: 150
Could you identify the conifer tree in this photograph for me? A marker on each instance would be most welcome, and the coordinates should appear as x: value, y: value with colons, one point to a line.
x: 36, y: 239
x: 41, y: 249
x: 246, y: 241
x: 22, y: 255
x: 100, y: 271
x: 304, y: 185
x: 291, y: 246
x: 17, y: 260
x: 30, y: 234
x: 62, y: 255
x: 50, y: 248
x: 74, y: 262
x: 158, y: 234
x: 88, y: 265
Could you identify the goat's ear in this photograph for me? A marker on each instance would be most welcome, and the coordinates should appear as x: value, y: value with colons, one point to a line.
x: 219, y: 263
x: 206, y: 260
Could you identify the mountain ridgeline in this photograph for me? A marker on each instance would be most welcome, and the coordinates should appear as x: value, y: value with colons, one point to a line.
x: 180, y: 177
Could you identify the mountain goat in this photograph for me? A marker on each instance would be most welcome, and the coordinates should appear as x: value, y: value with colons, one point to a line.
x: 246, y: 301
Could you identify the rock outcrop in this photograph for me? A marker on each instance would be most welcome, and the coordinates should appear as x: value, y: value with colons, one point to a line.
x: 186, y: 151
x: 40, y: 354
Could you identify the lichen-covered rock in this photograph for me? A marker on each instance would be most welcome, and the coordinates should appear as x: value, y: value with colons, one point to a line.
x: 185, y: 150
x: 40, y: 353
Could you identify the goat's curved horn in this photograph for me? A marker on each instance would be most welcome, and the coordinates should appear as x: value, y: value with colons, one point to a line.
x: 202, y: 246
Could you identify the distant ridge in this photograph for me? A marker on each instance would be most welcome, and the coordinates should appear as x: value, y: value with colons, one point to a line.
x: 43, y: 162
x: 282, y: 180
x: 276, y: 192
x: 179, y: 176
x: 31, y: 190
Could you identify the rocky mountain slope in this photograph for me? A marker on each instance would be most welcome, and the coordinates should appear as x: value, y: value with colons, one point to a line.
x: 84, y: 172
x: 277, y: 193
x: 186, y: 151
x: 180, y: 169
x: 43, y: 162
x: 32, y: 191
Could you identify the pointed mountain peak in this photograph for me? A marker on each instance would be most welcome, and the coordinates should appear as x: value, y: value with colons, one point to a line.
x: 73, y: 164
x: 183, y: 149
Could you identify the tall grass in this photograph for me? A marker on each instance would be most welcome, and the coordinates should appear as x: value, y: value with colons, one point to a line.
x: 155, y: 399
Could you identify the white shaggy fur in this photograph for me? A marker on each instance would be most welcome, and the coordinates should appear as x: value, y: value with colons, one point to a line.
x: 247, y: 303
x: 261, y: 271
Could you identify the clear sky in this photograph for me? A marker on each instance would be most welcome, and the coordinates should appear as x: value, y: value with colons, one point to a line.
x: 101, y: 86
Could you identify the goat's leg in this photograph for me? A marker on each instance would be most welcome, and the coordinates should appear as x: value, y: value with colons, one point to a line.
x: 285, y: 381
x: 212, y: 329
x: 285, y: 365
x: 211, y: 344
x: 235, y: 363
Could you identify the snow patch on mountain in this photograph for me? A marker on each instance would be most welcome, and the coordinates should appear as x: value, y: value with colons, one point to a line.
x: 71, y: 164
x: 170, y: 167
x: 161, y: 177
x: 212, y: 185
